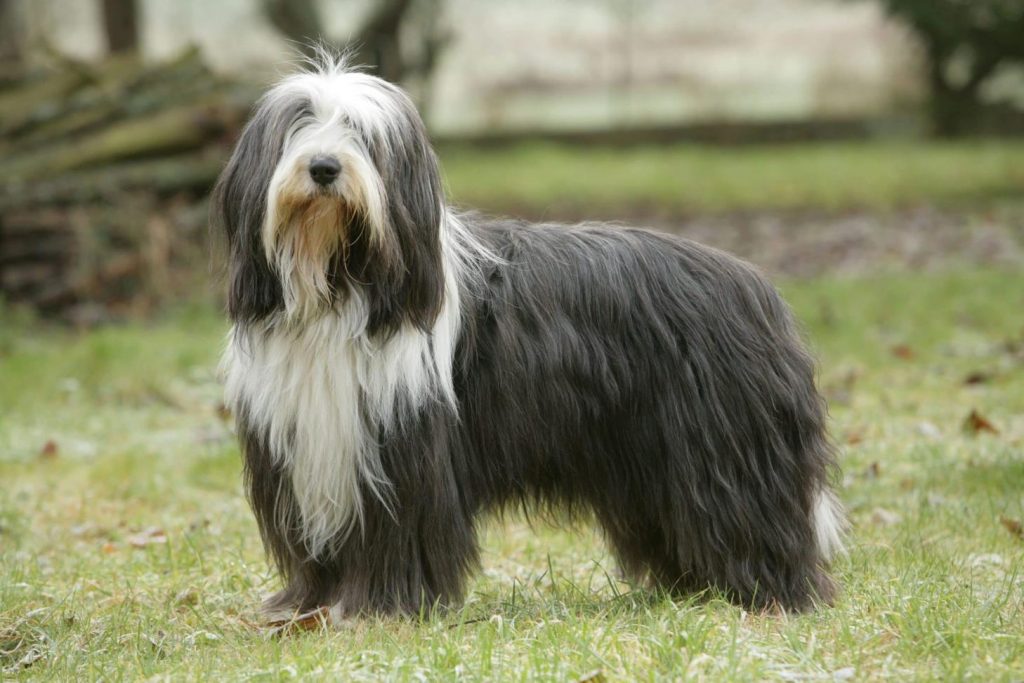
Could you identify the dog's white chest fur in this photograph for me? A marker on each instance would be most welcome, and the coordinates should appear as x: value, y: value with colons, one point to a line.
x: 323, y: 395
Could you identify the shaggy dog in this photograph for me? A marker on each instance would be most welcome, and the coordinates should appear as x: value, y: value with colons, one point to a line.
x: 397, y: 369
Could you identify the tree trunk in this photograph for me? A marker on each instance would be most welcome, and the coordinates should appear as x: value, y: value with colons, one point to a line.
x: 10, y: 32
x: 11, y: 42
x: 945, y: 107
x: 298, y: 21
x: 378, y: 42
x: 376, y: 45
x: 956, y: 109
x: 120, y: 22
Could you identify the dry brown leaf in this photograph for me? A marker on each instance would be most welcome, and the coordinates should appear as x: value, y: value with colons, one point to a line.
x: 49, y: 450
x: 903, y: 352
x: 1012, y: 525
x: 977, y: 377
x: 855, y: 436
x: 108, y: 548
x: 884, y: 517
x: 976, y: 423
x: 150, y: 536
x: 309, y: 621
x: 840, y: 390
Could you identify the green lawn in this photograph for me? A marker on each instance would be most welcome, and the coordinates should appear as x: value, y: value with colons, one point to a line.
x: 127, y: 550
x: 598, y: 181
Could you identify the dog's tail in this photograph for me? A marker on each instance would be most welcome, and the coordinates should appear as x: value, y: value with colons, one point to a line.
x: 829, y: 524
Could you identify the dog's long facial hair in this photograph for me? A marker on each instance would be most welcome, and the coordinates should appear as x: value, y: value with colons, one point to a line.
x: 397, y: 369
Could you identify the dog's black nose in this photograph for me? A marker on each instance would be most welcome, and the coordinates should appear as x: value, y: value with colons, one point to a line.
x: 324, y: 170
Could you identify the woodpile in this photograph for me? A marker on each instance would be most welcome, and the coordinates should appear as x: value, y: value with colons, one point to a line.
x: 104, y: 171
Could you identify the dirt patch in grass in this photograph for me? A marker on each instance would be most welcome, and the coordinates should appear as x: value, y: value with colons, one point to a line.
x: 801, y: 244
x: 811, y: 244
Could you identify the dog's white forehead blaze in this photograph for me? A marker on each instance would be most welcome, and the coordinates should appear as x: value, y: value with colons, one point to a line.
x: 365, y: 101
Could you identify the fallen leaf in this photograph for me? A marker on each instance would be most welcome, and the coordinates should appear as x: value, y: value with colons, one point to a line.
x: 108, y: 548
x: 468, y: 622
x: 1012, y: 525
x: 49, y: 450
x: 840, y: 390
x: 976, y: 423
x: 147, y: 537
x: 855, y: 436
x: 308, y: 621
x: 977, y: 377
x: 884, y: 517
x: 903, y: 352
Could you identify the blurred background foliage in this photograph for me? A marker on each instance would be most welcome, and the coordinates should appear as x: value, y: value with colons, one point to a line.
x: 965, y: 46
x: 816, y: 115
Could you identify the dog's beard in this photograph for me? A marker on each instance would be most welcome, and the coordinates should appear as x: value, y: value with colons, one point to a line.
x: 305, y: 244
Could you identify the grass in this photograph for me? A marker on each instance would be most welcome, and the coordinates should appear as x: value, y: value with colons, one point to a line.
x: 127, y: 550
x: 546, y: 179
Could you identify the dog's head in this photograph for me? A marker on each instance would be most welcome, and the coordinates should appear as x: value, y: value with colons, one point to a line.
x: 333, y: 191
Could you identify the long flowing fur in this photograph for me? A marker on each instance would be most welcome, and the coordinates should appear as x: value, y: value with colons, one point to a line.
x: 398, y: 369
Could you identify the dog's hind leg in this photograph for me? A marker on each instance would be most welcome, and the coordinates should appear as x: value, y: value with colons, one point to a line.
x: 738, y: 503
x: 715, y: 542
x: 755, y: 517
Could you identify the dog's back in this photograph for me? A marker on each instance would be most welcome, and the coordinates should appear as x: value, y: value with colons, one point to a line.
x: 661, y: 384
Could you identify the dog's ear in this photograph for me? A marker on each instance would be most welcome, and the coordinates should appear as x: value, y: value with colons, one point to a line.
x: 239, y: 208
x: 415, y: 206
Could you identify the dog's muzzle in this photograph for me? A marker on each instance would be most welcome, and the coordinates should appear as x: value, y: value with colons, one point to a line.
x: 324, y: 170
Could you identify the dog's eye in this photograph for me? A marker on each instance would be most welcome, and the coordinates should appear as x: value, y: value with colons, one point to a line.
x: 305, y: 115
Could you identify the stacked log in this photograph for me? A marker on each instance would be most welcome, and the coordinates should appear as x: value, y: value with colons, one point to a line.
x: 104, y: 170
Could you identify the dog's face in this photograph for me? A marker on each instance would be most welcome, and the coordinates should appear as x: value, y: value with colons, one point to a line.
x: 333, y: 189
